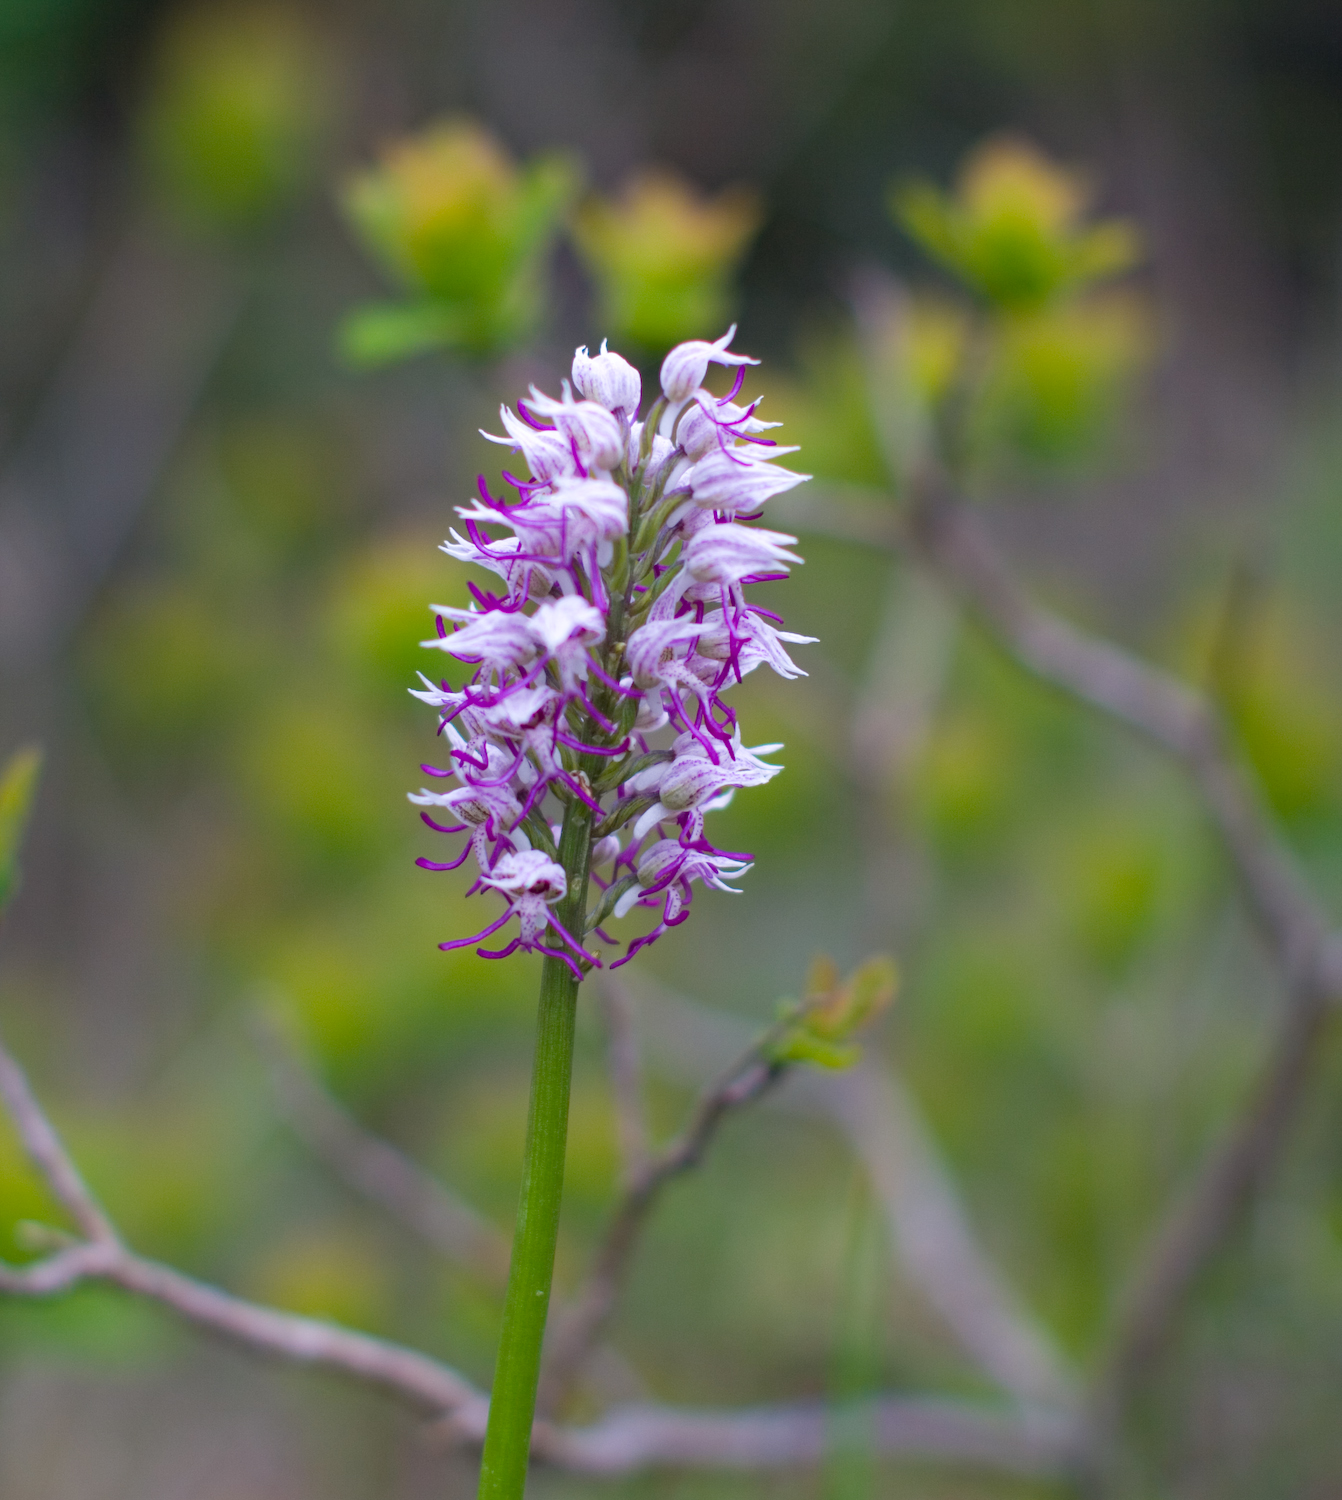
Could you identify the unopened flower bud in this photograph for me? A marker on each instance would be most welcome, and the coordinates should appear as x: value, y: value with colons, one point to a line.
x: 605, y: 850
x: 608, y: 380
x: 683, y: 370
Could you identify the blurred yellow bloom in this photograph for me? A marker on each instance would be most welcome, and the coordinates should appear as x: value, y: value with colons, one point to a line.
x: 1057, y: 378
x: 1007, y: 176
x: 1014, y: 229
x: 1274, y: 675
x: 833, y: 1010
x: 662, y: 255
x: 240, y: 96
x: 464, y: 229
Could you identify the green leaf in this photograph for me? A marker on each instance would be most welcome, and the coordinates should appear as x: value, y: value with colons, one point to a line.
x: 819, y: 1028
x: 18, y: 786
x: 926, y: 215
x: 870, y: 988
x: 1015, y: 228
x: 380, y: 333
x: 802, y: 1046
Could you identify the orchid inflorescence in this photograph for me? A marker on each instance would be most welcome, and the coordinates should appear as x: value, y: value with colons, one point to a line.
x: 620, y: 624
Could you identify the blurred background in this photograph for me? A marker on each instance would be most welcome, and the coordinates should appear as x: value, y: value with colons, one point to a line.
x: 251, y: 318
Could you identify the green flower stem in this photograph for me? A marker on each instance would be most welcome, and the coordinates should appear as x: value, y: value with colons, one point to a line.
x: 512, y: 1405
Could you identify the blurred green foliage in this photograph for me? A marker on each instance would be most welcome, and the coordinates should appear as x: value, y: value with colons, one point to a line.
x: 819, y: 1027
x: 1013, y: 228
x: 1081, y: 1002
x: 18, y: 787
x: 663, y: 256
x: 1057, y: 385
x: 465, y: 230
x: 165, y: 675
x: 1037, y: 377
x: 236, y: 109
x: 326, y: 1270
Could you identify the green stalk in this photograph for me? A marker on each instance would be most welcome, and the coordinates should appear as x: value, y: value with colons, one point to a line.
x: 512, y: 1405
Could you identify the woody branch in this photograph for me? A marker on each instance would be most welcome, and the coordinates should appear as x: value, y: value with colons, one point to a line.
x: 628, y: 1439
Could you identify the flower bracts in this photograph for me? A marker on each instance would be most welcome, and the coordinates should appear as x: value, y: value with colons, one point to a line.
x: 598, y: 660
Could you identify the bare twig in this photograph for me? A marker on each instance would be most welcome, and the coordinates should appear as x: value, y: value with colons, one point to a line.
x: 939, y: 530
x: 930, y: 1232
x: 377, y: 1170
x: 932, y: 1237
x: 1309, y: 953
x: 49, y: 1156
x: 1146, y: 699
x: 580, y: 1328
x: 103, y: 1257
x: 415, y: 1198
x: 1023, y: 1441
x: 1198, y: 1222
x: 626, y: 1440
x: 1294, y: 925
x: 929, y: 1229
x: 406, y: 1374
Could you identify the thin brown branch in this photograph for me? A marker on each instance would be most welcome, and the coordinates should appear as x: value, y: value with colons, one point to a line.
x: 626, y: 1440
x: 103, y: 1257
x: 929, y: 1228
x: 942, y: 532
x: 1294, y: 925
x: 416, y: 1199
x: 1185, y: 723
x: 1026, y: 1441
x: 1143, y: 697
x: 413, y: 1377
x: 931, y: 1237
x: 1201, y: 1220
x: 578, y: 1331
x: 376, y: 1169
x: 410, y: 1376
x: 47, y: 1153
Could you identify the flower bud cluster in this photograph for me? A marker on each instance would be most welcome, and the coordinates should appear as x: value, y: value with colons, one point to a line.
x: 597, y: 657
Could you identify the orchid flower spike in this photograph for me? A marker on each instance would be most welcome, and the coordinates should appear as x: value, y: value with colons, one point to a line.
x: 608, y: 622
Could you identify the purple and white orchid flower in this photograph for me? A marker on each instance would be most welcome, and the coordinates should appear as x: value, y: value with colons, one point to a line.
x: 595, y: 679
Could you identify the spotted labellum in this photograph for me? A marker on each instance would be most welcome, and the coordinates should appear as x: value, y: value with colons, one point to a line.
x: 598, y: 653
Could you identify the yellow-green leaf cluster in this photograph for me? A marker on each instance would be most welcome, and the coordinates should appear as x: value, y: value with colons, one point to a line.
x: 662, y: 256
x: 240, y: 98
x: 819, y: 1028
x: 1056, y: 378
x: 1014, y: 229
x: 463, y: 228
